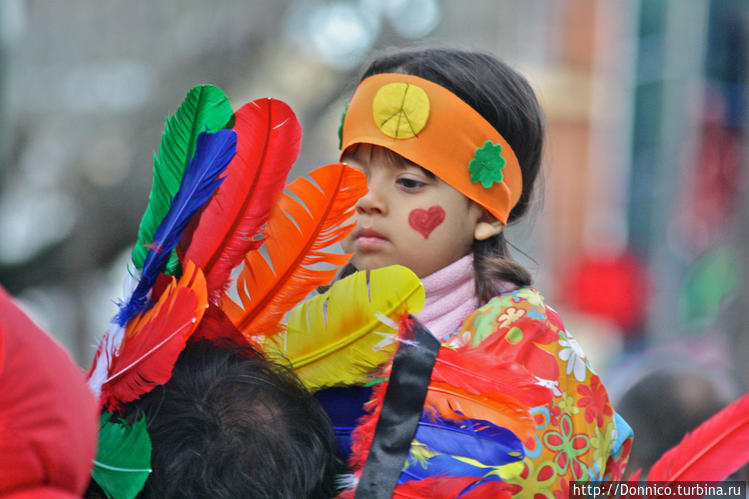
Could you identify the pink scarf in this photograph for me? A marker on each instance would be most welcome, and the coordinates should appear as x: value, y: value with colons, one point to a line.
x: 450, y: 297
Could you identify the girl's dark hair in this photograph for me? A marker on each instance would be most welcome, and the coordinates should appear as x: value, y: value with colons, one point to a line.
x: 506, y: 100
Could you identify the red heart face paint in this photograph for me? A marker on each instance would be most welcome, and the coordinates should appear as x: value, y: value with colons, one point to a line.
x: 425, y: 221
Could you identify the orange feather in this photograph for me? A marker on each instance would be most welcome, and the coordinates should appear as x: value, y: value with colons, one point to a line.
x: 296, y: 236
x: 500, y: 409
x: 154, y: 340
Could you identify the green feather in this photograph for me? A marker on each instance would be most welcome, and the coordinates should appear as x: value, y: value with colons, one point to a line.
x: 205, y: 106
x: 123, y: 460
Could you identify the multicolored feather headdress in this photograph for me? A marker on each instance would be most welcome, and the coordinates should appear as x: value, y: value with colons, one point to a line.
x: 217, y: 197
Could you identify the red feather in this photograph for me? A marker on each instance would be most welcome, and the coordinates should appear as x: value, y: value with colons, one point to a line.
x: 216, y: 325
x: 635, y: 477
x: 479, y: 373
x: 450, y: 487
x: 713, y: 451
x: 154, y: 340
x: 362, y: 435
x: 296, y: 235
x: 268, y: 142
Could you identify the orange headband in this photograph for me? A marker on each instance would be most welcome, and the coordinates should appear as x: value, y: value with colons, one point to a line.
x: 432, y: 127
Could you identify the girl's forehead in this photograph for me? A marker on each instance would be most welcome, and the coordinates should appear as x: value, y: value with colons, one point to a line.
x: 366, y: 154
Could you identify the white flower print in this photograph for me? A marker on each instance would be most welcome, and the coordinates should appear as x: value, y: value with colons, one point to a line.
x: 573, y: 354
x: 552, y: 385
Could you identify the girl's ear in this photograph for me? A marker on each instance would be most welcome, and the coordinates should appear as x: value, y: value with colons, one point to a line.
x: 485, y: 230
x: 487, y: 226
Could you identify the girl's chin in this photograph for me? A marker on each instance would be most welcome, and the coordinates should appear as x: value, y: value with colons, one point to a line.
x: 370, y: 262
x: 374, y: 264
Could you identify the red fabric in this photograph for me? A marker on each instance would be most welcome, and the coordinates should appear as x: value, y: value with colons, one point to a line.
x: 48, y: 415
x: 41, y: 493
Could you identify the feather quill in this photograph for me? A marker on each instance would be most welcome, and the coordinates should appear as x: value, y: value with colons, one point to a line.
x: 213, y: 153
x: 337, y: 338
x: 296, y: 237
x: 154, y: 340
x: 478, y: 373
x: 204, y: 107
x: 268, y: 142
x: 713, y: 451
x: 123, y: 457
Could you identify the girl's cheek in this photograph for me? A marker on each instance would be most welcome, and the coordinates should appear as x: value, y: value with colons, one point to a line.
x: 425, y: 221
x: 348, y: 243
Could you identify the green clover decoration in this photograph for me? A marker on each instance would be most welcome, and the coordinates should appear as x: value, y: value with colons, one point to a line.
x: 487, y: 164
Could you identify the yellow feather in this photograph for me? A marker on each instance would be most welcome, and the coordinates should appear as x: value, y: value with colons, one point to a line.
x: 420, y: 453
x: 339, y: 337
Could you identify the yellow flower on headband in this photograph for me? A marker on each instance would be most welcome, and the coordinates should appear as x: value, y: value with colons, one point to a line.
x: 400, y: 110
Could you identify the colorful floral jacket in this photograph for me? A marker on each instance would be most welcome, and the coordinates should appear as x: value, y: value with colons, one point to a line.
x: 578, y: 434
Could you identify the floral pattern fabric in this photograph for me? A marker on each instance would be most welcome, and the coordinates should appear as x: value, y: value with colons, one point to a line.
x: 578, y: 435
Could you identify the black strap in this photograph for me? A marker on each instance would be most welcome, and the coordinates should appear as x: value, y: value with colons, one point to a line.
x: 401, y: 411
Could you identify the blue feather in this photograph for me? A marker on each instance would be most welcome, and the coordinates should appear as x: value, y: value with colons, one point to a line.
x: 413, y: 473
x: 481, y: 440
x: 344, y: 406
x: 213, y: 153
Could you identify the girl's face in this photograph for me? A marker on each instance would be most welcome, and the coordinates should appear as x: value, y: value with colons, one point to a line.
x: 409, y: 217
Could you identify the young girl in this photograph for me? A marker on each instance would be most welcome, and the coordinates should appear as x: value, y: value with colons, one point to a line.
x: 451, y: 142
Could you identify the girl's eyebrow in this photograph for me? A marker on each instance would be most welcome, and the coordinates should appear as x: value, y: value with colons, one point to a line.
x: 427, y: 172
x: 404, y: 164
x: 411, y: 164
x: 394, y: 159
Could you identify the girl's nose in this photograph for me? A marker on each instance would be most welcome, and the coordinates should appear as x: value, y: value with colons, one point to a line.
x: 372, y: 202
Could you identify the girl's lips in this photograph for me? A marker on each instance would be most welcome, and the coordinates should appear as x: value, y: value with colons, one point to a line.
x: 368, y: 239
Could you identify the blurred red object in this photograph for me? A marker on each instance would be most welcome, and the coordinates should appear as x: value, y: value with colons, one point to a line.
x: 48, y: 415
x: 613, y: 287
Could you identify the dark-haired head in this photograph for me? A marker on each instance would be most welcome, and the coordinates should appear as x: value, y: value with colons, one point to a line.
x: 230, y: 423
x: 506, y: 100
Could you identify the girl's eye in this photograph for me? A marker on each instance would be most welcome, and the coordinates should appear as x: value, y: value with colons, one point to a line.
x: 410, y: 184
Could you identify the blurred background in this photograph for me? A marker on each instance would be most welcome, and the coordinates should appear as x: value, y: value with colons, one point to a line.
x: 640, y: 237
